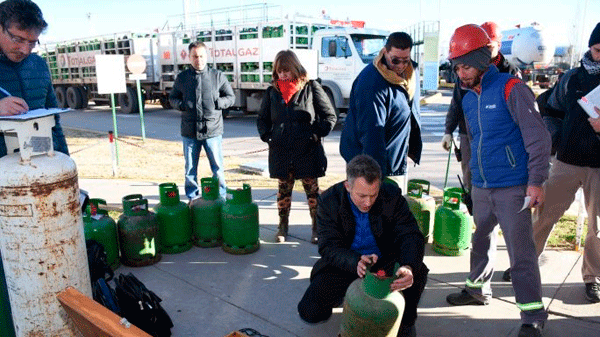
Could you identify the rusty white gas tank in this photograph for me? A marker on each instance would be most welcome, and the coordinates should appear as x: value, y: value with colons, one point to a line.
x: 42, y: 242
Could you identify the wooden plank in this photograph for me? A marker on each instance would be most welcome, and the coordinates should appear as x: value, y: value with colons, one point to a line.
x: 93, y: 319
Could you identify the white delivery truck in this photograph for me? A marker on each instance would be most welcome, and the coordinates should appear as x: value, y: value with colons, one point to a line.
x: 73, y: 69
x: 333, y: 51
x: 245, y: 54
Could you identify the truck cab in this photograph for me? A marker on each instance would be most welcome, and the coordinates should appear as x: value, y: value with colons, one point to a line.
x: 343, y: 52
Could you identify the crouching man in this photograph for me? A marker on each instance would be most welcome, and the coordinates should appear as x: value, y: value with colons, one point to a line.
x: 360, y: 222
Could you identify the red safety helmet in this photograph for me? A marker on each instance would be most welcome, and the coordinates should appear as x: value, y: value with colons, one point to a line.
x: 466, y: 39
x: 491, y: 28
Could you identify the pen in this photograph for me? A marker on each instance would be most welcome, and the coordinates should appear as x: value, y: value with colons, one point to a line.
x: 5, y: 92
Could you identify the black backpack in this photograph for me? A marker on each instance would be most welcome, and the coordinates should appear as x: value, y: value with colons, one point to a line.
x: 100, y: 274
x: 141, y: 306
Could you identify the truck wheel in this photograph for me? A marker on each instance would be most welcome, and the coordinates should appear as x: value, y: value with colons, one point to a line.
x: 74, y: 99
x: 61, y: 97
x: 164, y: 102
x: 128, y: 101
x: 85, y: 100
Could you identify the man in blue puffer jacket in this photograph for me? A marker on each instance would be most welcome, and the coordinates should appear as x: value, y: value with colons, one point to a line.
x: 383, y: 118
x: 510, y: 160
x: 24, y: 76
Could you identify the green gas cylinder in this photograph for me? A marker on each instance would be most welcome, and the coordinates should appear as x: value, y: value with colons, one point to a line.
x: 138, y: 232
x: 7, y: 327
x: 452, y: 229
x: 422, y: 205
x: 239, y: 219
x: 174, y: 222
x: 371, y: 308
x: 98, y: 226
x: 206, y: 214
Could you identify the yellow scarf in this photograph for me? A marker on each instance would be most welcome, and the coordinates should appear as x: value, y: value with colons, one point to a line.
x: 408, y: 80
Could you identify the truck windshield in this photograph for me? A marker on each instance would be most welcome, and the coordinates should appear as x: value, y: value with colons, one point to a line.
x: 368, y: 46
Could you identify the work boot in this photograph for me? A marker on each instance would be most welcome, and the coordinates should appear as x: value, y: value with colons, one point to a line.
x: 592, y: 292
x: 531, y: 330
x: 282, y: 232
x: 506, y: 276
x: 464, y: 298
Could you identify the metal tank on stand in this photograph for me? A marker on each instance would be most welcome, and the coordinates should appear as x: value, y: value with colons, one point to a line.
x: 138, y: 233
x: 174, y: 223
x: 421, y: 205
x: 453, y: 227
x: 240, y: 222
x: 99, y: 226
x: 41, y: 228
x: 206, y: 215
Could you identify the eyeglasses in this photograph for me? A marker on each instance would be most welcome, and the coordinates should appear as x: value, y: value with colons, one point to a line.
x: 20, y: 40
x: 397, y: 61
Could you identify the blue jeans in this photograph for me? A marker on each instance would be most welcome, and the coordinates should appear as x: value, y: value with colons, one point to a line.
x: 214, y: 153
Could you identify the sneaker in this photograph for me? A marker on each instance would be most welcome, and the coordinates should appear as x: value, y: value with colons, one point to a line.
x: 464, y: 298
x: 592, y: 292
x: 531, y: 330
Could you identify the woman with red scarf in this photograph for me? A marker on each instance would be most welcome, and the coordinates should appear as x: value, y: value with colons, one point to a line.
x: 295, y: 114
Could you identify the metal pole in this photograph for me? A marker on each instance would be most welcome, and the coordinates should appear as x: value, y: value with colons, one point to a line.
x: 141, y: 105
x: 114, y: 113
x: 448, y: 165
x: 112, y: 152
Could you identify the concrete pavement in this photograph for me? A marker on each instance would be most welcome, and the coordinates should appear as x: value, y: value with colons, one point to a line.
x: 208, y: 292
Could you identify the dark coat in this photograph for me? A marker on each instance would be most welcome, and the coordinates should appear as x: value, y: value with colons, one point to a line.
x: 30, y: 80
x: 382, y: 123
x: 294, y: 131
x: 394, y: 227
x: 577, y: 144
x: 204, y: 121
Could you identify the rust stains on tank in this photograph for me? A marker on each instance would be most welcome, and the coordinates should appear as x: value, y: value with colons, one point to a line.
x: 43, y: 190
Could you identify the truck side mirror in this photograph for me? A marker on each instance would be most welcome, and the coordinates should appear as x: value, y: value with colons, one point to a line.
x: 332, y: 48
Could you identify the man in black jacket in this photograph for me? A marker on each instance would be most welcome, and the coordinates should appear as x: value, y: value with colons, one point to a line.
x: 455, y: 116
x: 362, y: 222
x: 577, y: 163
x: 201, y: 93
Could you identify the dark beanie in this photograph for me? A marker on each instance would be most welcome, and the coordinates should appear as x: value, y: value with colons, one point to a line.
x: 595, y: 37
x: 478, y: 59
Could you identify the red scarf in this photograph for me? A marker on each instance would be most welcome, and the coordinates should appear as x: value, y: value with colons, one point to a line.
x: 288, y: 89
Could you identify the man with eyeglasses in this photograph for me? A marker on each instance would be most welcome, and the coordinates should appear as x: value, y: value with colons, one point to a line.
x: 24, y: 77
x: 383, y: 119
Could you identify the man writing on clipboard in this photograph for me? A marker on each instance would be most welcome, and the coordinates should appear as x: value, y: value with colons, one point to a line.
x: 577, y: 162
x: 24, y: 77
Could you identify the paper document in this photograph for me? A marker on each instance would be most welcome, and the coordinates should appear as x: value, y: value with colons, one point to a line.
x: 35, y: 114
x: 525, y: 204
x: 589, y: 101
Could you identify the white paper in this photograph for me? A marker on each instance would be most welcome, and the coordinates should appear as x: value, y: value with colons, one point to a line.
x: 525, y: 204
x: 589, y: 101
x: 35, y: 114
x: 110, y: 73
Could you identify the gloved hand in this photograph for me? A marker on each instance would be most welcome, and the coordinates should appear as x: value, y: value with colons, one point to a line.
x: 447, y: 141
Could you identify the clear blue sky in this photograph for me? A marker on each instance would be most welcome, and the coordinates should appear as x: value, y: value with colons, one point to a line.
x: 81, y: 18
